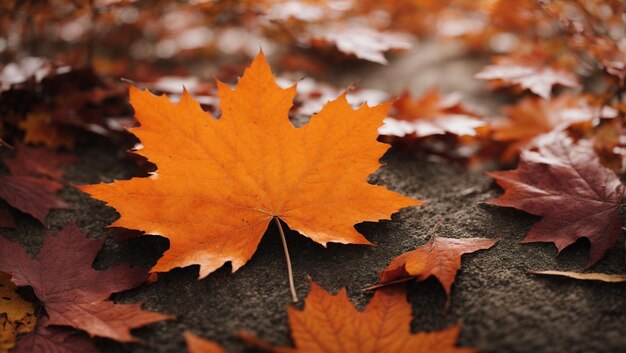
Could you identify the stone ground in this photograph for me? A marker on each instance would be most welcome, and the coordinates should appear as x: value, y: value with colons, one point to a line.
x: 501, y: 307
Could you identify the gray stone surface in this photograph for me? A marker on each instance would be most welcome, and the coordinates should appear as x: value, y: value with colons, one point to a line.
x: 501, y: 307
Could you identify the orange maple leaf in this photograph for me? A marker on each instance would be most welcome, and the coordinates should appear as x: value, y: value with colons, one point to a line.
x: 220, y: 182
x: 331, y: 324
x: 39, y: 129
x: 431, y: 114
x: 532, y: 117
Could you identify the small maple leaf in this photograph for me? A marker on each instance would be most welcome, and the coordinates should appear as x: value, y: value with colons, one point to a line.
x: 330, y: 323
x: 531, y: 72
x: 32, y: 195
x: 440, y: 257
x: 46, y: 339
x: 565, y: 184
x: 40, y: 129
x: 71, y: 291
x: 38, y: 162
x: 533, y: 117
x: 431, y: 114
x: 29, y: 188
x: 16, y: 315
x: 220, y: 182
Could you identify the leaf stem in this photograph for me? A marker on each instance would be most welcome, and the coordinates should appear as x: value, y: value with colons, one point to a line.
x: 292, y: 287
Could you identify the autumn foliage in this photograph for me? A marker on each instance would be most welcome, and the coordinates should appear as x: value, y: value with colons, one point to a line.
x: 212, y: 124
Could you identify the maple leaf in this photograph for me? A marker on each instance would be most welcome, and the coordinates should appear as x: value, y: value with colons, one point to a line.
x: 330, y: 323
x: 38, y: 162
x: 16, y: 314
x: 531, y: 72
x: 220, y: 182
x: 565, y: 184
x: 440, y: 257
x: 32, y: 195
x: 431, y: 114
x: 53, y: 340
x: 363, y: 42
x: 28, y: 188
x: 196, y: 344
x: 71, y: 291
x: 40, y: 129
x: 532, y: 117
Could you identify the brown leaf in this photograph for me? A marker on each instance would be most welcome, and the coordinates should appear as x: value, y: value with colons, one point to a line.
x: 6, y: 218
x: 565, y: 184
x: 31, y: 195
x: 44, y: 339
x: 71, y: 291
x: 38, y: 162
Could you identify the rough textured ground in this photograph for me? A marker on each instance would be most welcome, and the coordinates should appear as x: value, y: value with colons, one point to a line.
x: 501, y: 307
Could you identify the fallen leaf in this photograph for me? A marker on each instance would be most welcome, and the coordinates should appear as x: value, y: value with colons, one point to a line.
x: 16, y: 315
x: 363, y: 42
x: 220, y: 182
x: 532, y: 117
x: 531, y: 72
x: 565, y: 184
x: 440, y: 257
x: 40, y: 129
x: 431, y: 114
x: 32, y: 195
x: 38, y: 162
x: 196, y: 344
x: 46, y: 339
x: 71, y: 291
x: 331, y: 324
x: 604, y: 277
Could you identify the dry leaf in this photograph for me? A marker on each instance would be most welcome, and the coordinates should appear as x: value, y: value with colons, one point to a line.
x: 220, y: 182
x: 531, y: 72
x: 44, y: 339
x: 565, y: 184
x: 71, y: 291
x: 440, y: 257
x: 330, y: 324
x: 363, y: 42
x: 604, y: 277
x: 40, y: 129
x: 431, y: 114
x: 532, y: 117
x: 16, y: 315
